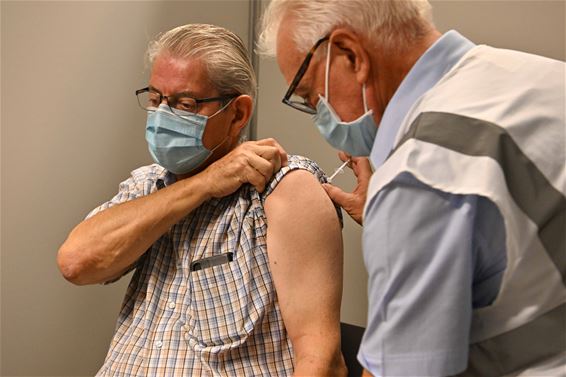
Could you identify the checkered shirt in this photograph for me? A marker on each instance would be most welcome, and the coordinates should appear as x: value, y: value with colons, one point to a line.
x: 218, y: 321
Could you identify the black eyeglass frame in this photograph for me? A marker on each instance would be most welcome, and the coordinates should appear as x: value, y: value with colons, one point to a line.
x: 302, y: 106
x: 198, y: 101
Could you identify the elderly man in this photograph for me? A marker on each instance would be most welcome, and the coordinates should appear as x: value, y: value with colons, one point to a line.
x: 464, y: 216
x: 236, y: 272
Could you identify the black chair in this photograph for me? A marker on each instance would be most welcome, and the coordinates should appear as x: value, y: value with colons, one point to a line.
x: 351, y: 340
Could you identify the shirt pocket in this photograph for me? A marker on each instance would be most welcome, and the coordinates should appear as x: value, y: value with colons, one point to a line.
x: 222, y: 312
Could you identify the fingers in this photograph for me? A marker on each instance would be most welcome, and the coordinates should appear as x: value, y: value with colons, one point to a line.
x: 360, y: 165
x: 273, y: 143
x: 344, y: 156
x: 260, y: 172
x: 352, y: 203
x: 255, y: 178
x: 362, y: 168
x: 337, y: 195
x: 269, y: 153
x: 250, y: 162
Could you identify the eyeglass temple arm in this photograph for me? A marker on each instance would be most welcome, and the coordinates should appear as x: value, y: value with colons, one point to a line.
x: 303, y: 68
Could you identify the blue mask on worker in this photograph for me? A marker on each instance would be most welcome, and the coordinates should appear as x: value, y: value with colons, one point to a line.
x: 356, y: 137
x: 175, y: 140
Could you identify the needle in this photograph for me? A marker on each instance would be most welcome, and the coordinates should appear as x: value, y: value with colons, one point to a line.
x: 339, y: 170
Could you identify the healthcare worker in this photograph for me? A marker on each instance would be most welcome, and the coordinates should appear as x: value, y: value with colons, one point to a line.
x: 464, y: 214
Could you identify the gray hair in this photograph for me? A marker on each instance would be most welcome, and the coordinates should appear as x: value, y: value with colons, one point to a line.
x: 223, y: 53
x: 393, y: 24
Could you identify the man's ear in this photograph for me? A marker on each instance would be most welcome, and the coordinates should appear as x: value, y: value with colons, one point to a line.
x: 242, y: 108
x: 353, y: 46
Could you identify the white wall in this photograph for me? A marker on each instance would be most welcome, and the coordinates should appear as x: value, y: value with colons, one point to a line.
x: 71, y: 131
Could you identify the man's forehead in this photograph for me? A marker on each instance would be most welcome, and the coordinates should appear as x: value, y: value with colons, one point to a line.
x: 170, y: 74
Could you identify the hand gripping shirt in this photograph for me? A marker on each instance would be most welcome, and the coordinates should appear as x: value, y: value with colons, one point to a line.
x: 218, y: 321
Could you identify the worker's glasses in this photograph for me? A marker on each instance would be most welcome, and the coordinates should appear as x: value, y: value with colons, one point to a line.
x: 150, y: 99
x: 290, y: 98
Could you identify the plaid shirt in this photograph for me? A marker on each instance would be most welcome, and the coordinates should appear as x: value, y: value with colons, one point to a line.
x: 221, y: 320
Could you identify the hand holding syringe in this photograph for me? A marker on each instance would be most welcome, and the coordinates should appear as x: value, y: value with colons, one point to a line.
x: 352, y: 202
x: 339, y: 170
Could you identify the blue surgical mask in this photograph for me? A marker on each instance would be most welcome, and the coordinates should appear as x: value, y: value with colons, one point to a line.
x: 175, y: 140
x: 356, y: 137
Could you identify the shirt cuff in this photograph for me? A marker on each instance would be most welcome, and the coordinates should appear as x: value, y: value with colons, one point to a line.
x: 442, y: 363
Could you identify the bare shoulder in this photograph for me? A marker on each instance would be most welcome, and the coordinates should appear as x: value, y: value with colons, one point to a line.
x: 299, y: 193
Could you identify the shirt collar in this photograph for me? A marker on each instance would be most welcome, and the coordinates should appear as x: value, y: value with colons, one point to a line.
x: 427, y: 71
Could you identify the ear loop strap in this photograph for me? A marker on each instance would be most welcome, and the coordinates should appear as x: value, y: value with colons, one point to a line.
x: 364, y: 98
x: 226, y: 137
x: 327, y: 74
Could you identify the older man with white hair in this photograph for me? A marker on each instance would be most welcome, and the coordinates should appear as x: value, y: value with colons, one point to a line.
x: 464, y: 215
x: 237, y: 249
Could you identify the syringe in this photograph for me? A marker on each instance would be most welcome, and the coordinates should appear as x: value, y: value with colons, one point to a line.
x: 339, y: 170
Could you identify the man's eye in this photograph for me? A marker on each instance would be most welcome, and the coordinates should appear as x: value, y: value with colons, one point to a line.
x: 307, y: 101
x: 153, y: 100
x: 186, y: 104
x: 299, y: 99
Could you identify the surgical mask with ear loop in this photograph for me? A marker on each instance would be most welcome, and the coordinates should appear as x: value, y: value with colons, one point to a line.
x: 356, y: 137
x: 175, y: 140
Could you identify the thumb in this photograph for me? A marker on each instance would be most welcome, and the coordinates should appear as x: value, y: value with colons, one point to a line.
x: 336, y: 194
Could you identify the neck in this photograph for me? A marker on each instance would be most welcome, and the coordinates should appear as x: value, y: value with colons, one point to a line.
x: 393, y: 66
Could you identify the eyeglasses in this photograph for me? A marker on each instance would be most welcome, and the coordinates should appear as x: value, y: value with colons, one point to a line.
x: 150, y: 99
x: 300, y: 103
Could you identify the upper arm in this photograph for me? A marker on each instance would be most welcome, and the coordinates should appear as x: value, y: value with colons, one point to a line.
x: 300, y: 215
x: 418, y: 251
x: 304, y: 244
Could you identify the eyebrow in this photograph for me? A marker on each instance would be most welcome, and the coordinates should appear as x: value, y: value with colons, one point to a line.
x: 186, y: 93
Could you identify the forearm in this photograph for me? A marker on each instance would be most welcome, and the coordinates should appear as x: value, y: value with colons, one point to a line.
x: 103, y: 246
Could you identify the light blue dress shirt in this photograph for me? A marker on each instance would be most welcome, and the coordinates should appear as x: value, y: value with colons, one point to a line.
x: 432, y: 257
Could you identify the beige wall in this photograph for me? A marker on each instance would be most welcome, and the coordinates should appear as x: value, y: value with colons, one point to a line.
x: 71, y: 131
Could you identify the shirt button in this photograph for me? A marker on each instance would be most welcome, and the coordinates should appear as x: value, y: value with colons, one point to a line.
x: 171, y: 305
x: 158, y: 344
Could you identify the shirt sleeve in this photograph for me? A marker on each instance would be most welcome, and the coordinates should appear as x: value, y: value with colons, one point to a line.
x: 418, y: 252
x: 140, y: 183
x: 296, y: 162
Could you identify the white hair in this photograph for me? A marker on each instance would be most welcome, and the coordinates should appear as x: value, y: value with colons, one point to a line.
x: 393, y: 24
x: 223, y: 53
